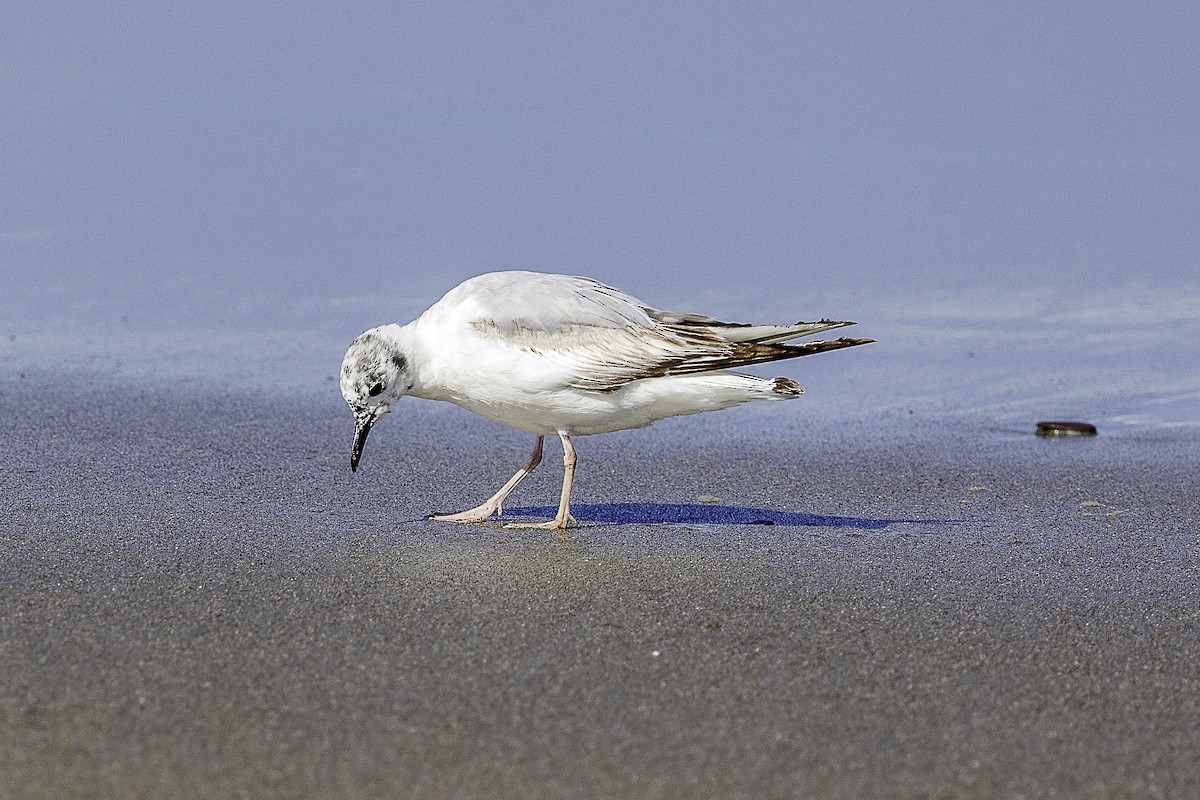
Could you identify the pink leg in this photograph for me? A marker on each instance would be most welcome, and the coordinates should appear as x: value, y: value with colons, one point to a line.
x: 494, y: 504
x: 563, y: 518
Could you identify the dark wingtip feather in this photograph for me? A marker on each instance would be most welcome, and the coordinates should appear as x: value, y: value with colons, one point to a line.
x: 795, y: 350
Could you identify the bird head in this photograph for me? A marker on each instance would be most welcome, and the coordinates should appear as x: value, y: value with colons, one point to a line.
x: 375, y: 375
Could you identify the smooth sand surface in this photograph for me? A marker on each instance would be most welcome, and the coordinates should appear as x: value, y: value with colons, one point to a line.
x: 197, y: 599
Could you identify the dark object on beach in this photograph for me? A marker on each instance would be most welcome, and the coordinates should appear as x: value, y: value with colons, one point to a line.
x: 1066, y: 429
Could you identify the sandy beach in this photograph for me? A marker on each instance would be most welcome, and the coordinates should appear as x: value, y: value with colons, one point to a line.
x: 887, y: 588
x: 198, y: 599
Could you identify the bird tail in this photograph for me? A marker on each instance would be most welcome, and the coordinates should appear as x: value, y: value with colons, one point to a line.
x: 786, y: 388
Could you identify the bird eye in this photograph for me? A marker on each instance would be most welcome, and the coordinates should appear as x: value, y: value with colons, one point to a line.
x: 375, y: 390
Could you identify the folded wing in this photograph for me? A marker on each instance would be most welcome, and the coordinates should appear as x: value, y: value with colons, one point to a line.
x: 600, y: 338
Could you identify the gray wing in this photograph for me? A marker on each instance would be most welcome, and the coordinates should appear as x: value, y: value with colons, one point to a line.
x: 599, y: 338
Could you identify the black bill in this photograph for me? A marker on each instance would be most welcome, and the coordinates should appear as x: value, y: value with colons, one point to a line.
x: 362, y: 426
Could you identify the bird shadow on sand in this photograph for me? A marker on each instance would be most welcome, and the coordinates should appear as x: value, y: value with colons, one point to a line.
x: 705, y: 514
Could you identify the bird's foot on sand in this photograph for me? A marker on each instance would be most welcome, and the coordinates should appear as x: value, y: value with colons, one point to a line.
x: 559, y: 523
x: 481, y: 513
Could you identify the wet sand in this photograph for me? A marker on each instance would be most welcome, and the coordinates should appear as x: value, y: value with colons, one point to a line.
x: 197, y: 599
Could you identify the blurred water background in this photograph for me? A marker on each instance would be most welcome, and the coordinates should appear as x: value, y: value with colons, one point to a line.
x: 1006, y: 197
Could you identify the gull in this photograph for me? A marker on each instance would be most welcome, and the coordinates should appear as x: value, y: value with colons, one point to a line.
x: 554, y: 354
